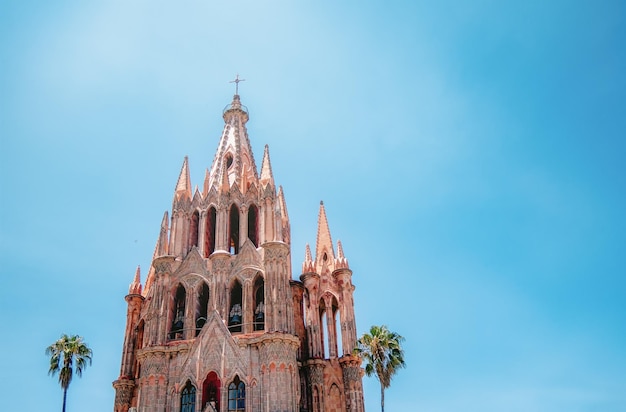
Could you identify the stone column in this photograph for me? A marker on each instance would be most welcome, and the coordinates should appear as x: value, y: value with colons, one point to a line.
x: 353, y: 383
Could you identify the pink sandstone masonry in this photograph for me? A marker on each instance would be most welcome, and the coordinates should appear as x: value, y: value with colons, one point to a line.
x: 220, y: 324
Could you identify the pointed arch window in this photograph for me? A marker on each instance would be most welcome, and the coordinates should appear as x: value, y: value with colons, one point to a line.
x: 259, y: 304
x: 188, y: 398
x: 203, y: 306
x: 235, y: 313
x: 253, y: 225
x: 211, y: 392
x: 338, y: 331
x: 234, y: 230
x: 193, y: 229
x: 236, y: 395
x: 209, y: 233
x: 178, y: 315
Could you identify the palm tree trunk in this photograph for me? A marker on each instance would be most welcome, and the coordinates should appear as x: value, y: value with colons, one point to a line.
x: 382, y: 398
x: 64, y: 397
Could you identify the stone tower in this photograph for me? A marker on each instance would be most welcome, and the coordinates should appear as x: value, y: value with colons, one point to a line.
x: 220, y: 324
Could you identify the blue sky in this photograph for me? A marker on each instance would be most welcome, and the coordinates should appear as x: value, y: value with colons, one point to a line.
x: 469, y: 155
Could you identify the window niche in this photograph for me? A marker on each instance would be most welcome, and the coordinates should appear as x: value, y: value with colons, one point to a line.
x: 211, y: 392
x: 178, y: 315
x: 235, y: 313
x: 236, y: 395
x: 234, y: 230
x: 209, y: 233
x: 194, y: 229
x: 202, y: 309
x: 188, y: 398
x: 253, y: 225
x: 259, y: 303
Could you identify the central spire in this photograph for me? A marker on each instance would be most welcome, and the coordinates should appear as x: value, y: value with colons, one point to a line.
x: 234, y: 156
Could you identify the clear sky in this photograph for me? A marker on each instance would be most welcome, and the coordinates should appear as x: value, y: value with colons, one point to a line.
x: 470, y: 155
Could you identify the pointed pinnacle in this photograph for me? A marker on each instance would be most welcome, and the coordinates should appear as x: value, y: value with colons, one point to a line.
x: 161, y: 248
x: 324, y: 242
x: 183, y: 186
x: 282, y: 203
x: 307, y: 265
x: 207, y: 177
x: 135, y: 287
x: 266, y: 168
x: 341, y: 262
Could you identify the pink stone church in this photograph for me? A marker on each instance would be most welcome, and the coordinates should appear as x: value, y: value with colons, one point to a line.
x: 220, y: 324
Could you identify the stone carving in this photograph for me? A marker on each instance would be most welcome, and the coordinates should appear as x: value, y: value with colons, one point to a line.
x: 316, y: 373
x: 162, y: 268
x: 123, y: 391
x: 351, y: 373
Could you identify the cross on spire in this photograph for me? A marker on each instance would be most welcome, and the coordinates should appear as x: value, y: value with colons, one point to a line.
x: 236, y: 81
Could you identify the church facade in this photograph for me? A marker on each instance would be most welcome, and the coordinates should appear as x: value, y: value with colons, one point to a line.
x: 220, y: 324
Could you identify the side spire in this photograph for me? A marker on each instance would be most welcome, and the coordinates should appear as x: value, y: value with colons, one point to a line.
x: 324, y: 245
x: 205, y: 188
x: 135, y: 287
x: 183, y: 186
x: 307, y: 265
x: 162, y: 243
x: 341, y: 262
x: 266, y: 168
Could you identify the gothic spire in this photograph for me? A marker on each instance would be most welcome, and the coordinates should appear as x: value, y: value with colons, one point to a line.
x: 183, y: 186
x: 162, y: 243
x: 341, y: 262
x: 234, y: 153
x: 324, y: 244
x: 205, y: 188
x: 266, y: 168
x: 307, y: 265
x: 135, y: 287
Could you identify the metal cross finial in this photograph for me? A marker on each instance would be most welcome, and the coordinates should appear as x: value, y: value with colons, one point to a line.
x: 236, y: 81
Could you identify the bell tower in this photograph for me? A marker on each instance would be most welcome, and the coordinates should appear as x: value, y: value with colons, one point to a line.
x: 219, y: 324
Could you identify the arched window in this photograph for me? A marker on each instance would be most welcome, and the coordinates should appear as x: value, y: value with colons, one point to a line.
x: 324, y: 333
x: 234, y: 230
x: 178, y: 315
x: 193, y: 229
x: 338, y: 332
x: 209, y: 233
x: 138, y: 345
x: 236, y: 395
x: 203, y: 306
x: 253, y: 225
x: 211, y: 392
x: 188, y: 398
x: 259, y: 304
x: 235, y: 313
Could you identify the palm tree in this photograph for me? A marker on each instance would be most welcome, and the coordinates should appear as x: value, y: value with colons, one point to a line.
x: 381, y: 350
x: 68, y: 354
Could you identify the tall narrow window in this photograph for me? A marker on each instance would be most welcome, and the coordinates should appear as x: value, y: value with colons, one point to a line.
x: 202, y: 309
x: 259, y: 304
x: 178, y: 318
x: 339, y: 333
x: 324, y: 333
x: 188, y: 398
x: 193, y: 229
x: 211, y: 393
x: 209, y: 233
x: 236, y: 395
x: 324, y: 329
x: 235, y: 314
x: 253, y: 225
x: 234, y: 230
x: 138, y: 345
